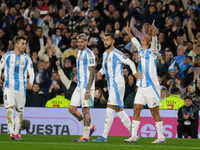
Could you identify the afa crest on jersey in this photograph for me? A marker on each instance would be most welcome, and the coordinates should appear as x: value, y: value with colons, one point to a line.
x: 91, y: 61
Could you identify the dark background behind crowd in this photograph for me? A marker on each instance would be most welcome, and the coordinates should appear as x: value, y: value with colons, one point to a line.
x: 51, y: 28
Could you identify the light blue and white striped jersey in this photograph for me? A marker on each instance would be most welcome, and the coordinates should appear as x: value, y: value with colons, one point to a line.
x: 112, y: 66
x: 15, y: 70
x: 85, y: 59
x: 147, y: 63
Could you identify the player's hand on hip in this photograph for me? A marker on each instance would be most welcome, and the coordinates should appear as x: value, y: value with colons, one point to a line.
x: 138, y: 76
x: 87, y: 94
x: 29, y: 86
x: 99, y: 76
x: 1, y: 83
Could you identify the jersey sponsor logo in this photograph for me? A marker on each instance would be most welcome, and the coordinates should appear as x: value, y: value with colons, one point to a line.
x: 109, y: 60
x: 31, y: 65
x: 91, y: 61
x: 12, y: 62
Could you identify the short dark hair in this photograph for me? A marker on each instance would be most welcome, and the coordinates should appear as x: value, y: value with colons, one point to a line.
x: 190, y: 57
x: 175, y: 90
x: 59, y: 29
x: 60, y: 91
x: 110, y: 34
x: 189, y: 42
x: 38, y: 28
x: 188, y: 97
x: 19, y: 38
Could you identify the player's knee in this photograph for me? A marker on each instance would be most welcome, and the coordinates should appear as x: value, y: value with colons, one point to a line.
x: 155, y: 114
x: 72, y: 110
x: 137, y: 110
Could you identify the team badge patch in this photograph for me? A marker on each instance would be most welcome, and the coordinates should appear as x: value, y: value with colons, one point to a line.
x: 125, y: 57
x: 22, y: 63
x: 17, y: 62
x: 91, y: 61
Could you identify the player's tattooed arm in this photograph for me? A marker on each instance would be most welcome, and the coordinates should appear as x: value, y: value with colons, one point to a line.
x: 91, y: 79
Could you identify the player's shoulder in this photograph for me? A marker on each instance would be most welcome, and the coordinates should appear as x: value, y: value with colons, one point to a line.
x: 89, y: 52
x: 117, y: 52
x: 7, y: 54
x: 26, y: 56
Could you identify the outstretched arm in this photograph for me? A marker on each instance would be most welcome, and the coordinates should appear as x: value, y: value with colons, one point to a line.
x: 133, y: 39
x: 154, y: 38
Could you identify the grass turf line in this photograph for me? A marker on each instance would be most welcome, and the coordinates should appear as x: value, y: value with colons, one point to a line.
x: 58, y: 142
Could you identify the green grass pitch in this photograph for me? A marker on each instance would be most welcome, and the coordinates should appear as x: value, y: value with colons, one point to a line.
x: 62, y: 142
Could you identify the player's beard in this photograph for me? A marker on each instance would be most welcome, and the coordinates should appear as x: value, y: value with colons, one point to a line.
x: 108, y: 46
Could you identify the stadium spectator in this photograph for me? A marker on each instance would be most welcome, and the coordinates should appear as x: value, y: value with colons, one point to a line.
x: 59, y: 101
x: 140, y: 34
x: 49, y: 51
x: 185, y: 64
x: 173, y: 101
x: 62, y: 13
x: 66, y: 39
x: 130, y: 86
x: 172, y: 71
x: 188, y: 118
x: 43, y: 7
x: 28, y: 31
x: 72, y: 50
x: 38, y: 40
x: 99, y: 99
x: 4, y: 39
x: 164, y: 93
x: 69, y: 84
x: 36, y: 97
x: 46, y: 24
x: 180, y: 54
x: 178, y: 82
x: 3, y: 8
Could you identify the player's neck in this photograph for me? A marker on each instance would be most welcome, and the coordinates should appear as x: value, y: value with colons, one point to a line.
x: 18, y: 53
x: 145, y: 47
x: 83, y: 49
x: 110, y: 49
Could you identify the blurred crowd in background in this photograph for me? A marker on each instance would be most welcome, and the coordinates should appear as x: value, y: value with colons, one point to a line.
x: 51, y: 28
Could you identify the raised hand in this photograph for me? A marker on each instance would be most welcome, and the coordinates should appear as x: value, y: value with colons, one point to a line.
x: 138, y: 76
x: 127, y: 28
x: 153, y: 29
